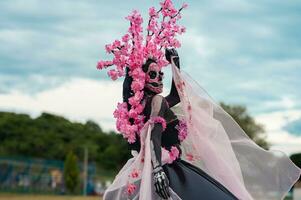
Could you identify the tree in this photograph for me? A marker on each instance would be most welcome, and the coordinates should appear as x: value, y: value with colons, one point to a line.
x: 296, y: 158
x: 115, y: 153
x: 254, y: 130
x: 71, y: 172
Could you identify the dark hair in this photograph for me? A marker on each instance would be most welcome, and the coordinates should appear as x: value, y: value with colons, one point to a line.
x: 127, y: 91
x: 147, y: 64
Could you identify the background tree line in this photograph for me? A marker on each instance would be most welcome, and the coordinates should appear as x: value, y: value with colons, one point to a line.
x: 53, y: 137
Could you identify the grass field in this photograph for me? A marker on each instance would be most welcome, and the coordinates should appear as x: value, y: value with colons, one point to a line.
x: 44, y: 197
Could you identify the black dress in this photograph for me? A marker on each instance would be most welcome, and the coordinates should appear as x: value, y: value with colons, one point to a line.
x: 186, y: 180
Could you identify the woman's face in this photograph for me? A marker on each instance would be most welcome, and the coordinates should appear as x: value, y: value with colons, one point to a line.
x: 154, y: 78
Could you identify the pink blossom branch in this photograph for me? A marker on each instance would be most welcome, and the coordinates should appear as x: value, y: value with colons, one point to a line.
x: 179, y: 11
x: 131, y: 52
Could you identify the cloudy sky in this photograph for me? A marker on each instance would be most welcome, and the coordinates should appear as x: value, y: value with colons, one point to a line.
x: 242, y: 51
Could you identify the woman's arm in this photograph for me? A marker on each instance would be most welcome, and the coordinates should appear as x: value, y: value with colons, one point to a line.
x: 158, y: 107
x: 173, y: 97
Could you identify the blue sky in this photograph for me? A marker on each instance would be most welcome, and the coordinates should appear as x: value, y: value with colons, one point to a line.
x: 242, y: 52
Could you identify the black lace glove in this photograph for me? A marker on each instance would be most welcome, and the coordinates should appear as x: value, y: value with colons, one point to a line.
x: 172, y: 54
x: 173, y: 97
x: 161, y: 183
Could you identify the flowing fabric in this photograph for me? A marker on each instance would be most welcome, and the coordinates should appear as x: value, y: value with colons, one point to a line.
x: 216, y: 144
x: 135, y: 179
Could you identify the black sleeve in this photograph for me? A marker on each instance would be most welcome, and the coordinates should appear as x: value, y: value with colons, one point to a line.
x: 173, y: 97
x: 157, y: 129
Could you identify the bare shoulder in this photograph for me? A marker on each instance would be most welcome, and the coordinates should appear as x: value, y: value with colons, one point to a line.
x: 158, y: 98
x: 159, y: 102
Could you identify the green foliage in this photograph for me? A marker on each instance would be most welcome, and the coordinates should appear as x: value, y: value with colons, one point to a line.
x: 254, y: 130
x: 296, y: 158
x: 52, y: 137
x: 71, y: 172
x: 117, y: 148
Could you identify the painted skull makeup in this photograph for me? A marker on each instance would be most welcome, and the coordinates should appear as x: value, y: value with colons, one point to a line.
x: 154, y: 77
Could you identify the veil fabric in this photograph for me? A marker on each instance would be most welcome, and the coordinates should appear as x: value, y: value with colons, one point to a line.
x: 135, y: 179
x: 216, y: 144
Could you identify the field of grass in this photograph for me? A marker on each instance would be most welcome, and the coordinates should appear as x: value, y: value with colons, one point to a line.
x: 44, y: 197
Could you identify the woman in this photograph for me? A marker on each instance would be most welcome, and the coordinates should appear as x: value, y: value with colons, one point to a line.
x: 184, y: 146
x: 186, y: 180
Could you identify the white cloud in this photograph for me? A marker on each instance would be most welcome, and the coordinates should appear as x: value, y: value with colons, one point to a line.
x: 280, y: 139
x: 79, y: 100
x: 197, y: 43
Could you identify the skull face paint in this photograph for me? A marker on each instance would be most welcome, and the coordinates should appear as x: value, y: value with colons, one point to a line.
x: 154, y: 77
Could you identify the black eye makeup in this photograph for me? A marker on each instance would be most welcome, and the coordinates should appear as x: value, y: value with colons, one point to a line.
x: 152, y: 74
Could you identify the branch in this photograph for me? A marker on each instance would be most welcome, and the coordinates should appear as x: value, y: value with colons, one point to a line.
x: 177, y: 13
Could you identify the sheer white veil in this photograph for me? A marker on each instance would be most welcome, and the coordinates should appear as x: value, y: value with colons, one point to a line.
x: 216, y: 144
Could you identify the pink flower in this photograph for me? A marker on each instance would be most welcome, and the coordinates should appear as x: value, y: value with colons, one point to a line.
x: 160, y: 120
x: 189, y: 107
x: 109, y: 48
x: 100, y: 65
x: 138, y: 74
x: 131, y: 188
x: 136, y: 99
x: 137, y: 85
x: 126, y: 38
x: 139, y: 108
x: 140, y: 122
x: 104, y: 64
x: 173, y: 154
x: 185, y: 5
x: 182, y: 130
x: 113, y: 74
x: 182, y: 30
x: 133, y: 113
x: 135, y: 173
x: 116, y: 44
x: 131, y: 138
x: 152, y: 12
x: 189, y: 157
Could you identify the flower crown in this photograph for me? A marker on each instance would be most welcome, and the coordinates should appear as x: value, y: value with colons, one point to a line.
x: 133, y: 50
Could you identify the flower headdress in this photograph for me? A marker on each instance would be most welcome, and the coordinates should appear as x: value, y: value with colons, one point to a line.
x: 133, y: 50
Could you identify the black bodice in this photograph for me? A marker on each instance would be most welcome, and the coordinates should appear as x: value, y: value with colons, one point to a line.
x: 169, y: 136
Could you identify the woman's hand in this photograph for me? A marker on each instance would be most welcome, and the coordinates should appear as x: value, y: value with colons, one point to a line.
x: 172, y: 54
x: 161, y: 183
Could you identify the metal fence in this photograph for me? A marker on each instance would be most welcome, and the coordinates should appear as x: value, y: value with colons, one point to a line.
x: 28, y: 175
